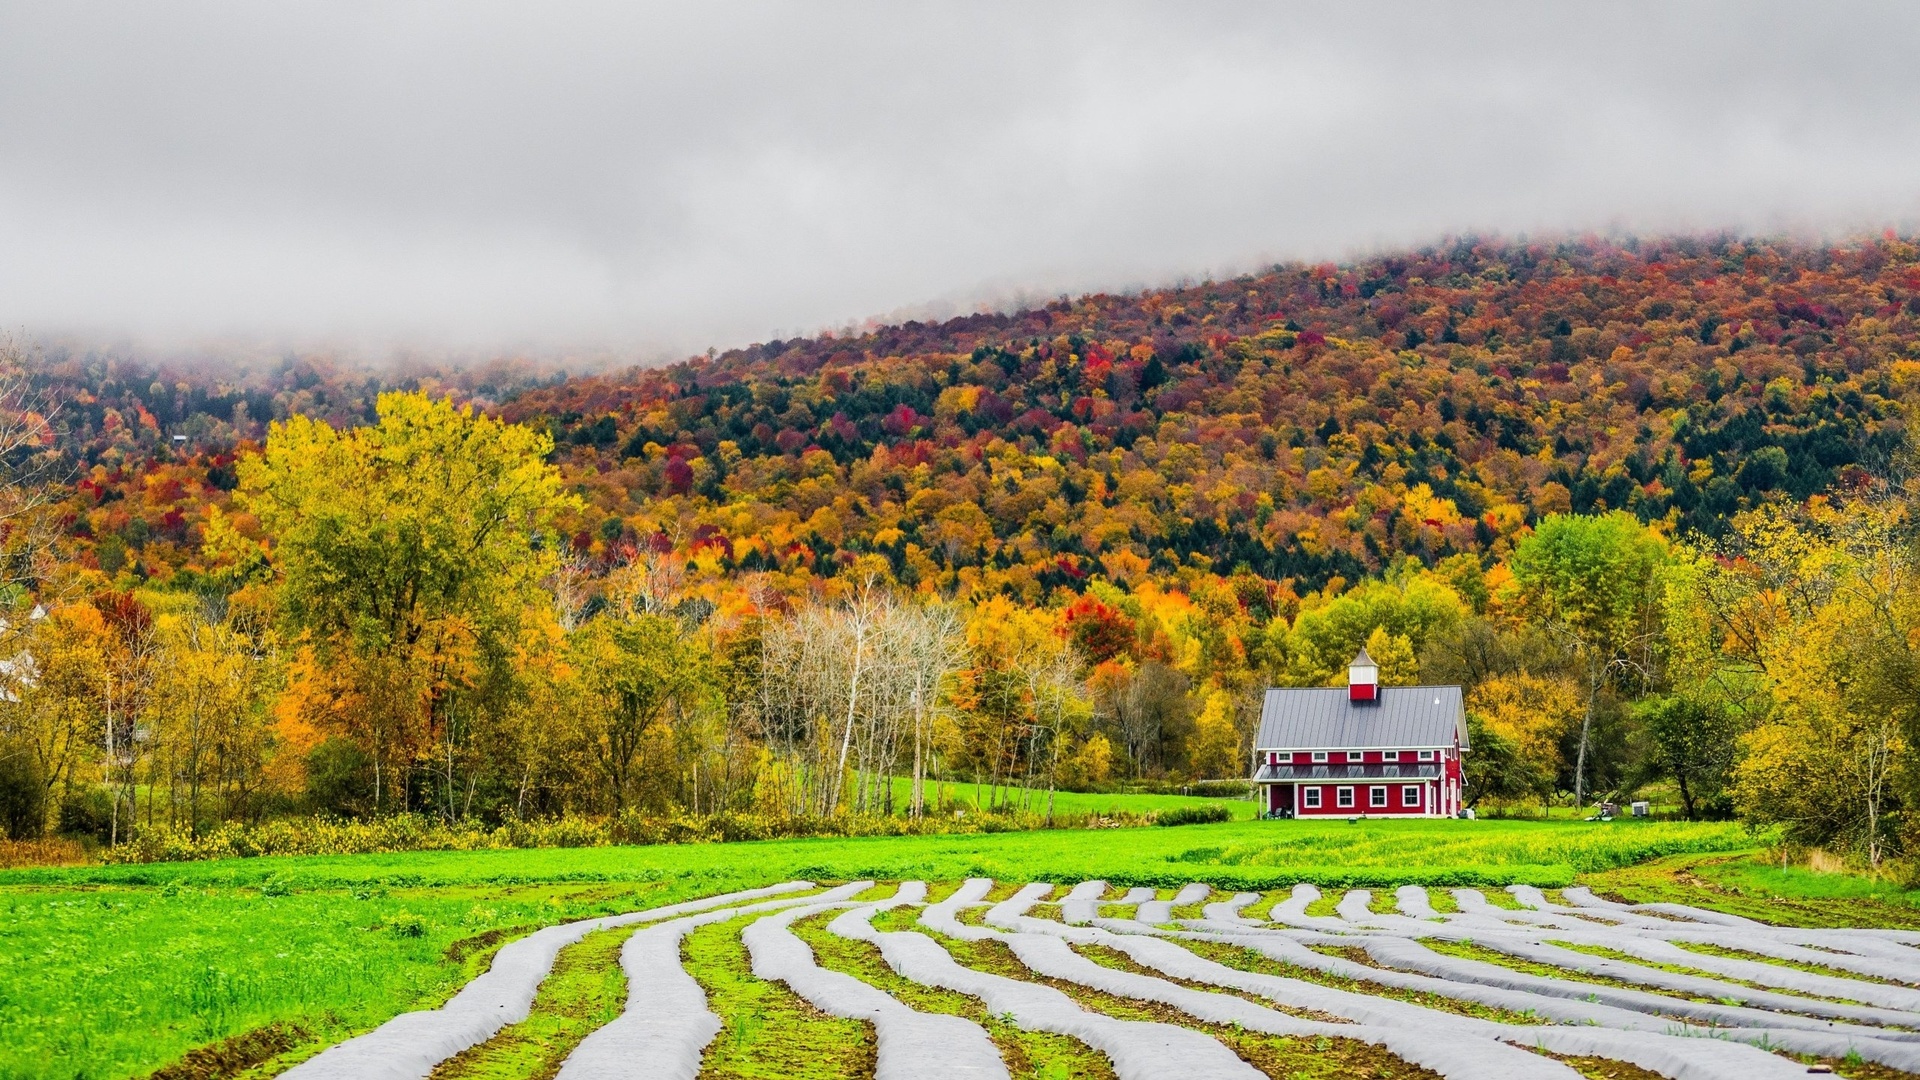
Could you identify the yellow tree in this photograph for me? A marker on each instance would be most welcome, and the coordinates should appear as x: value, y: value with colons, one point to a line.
x: 1215, y: 747
x: 1813, y: 614
x: 1527, y: 713
x: 1023, y: 708
x: 407, y: 550
x: 1824, y: 764
x: 635, y: 681
x: 55, y: 695
x: 1393, y: 655
x: 209, y: 713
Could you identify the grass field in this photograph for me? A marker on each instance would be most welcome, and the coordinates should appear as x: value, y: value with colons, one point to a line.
x: 115, y: 971
x: 1066, y: 802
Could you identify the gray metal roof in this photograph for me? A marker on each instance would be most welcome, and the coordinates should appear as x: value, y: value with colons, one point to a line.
x: 1377, y: 771
x: 1321, y: 718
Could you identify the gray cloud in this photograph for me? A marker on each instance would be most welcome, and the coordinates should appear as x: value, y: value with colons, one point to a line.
x: 488, y: 176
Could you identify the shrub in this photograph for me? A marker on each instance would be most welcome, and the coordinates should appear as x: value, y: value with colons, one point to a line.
x: 23, y: 794
x: 407, y: 924
x: 1193, y: 815
x: 1220, y: 789
x: 87, y: 813
x: 47, y: 851
x: 414, y: 832
x: 339, y: 778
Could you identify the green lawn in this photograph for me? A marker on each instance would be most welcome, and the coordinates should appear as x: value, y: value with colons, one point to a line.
x: 1064, y: 802
x: 114, y: 971
x: 1765, y: 890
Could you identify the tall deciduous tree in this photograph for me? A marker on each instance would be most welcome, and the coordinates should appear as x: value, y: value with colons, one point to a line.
x: 407, y: 549
x: 1414, y: 607
x: 1692, y: 739
x: 636, y: 678
x: 1595, y: 583
x: 931, y: 646
x: 1527, y: 713
x: 209, y: 713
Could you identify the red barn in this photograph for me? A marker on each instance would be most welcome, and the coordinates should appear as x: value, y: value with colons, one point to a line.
x: 1362, y: 749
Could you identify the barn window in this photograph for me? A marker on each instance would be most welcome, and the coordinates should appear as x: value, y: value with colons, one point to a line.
x: 1312, y: 796
x: 1410, y: 795
x: 1426, y: 755
x: 1377, y: 796
x: 1390, y: 755
x: 1356, y: 755
x: 1319, y: 756
x: 1343, y: 798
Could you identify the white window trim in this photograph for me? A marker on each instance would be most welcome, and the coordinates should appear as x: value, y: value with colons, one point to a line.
x: 1343, y: 798
x: 1390, y: 755
x: 1410, y: 795
x: 1426, y: 755
x: 1377, y: 796
x: 1319, y: 756
x: 1310, y: 798
x: 1356, y: 755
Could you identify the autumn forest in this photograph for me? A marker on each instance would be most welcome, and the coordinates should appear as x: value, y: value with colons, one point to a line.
x: 1650, y: 502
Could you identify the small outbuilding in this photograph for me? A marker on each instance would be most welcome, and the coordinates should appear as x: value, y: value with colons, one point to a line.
x: 1362, y: 749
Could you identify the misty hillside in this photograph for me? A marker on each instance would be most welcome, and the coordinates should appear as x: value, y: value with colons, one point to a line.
x: 1309, y: 422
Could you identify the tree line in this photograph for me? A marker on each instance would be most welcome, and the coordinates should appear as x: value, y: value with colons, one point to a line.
x: 390, y: 622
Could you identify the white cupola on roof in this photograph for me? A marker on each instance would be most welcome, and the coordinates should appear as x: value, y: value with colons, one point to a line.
x: 1363, y: 678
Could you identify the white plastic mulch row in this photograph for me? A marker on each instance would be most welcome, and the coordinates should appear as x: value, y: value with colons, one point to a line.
x: 1776, y: 1021
x: 1449, y: 1044
x: 1881, y: 953
x: 1159, y: 911
x: 1138, y: 1050
x: 666, y: 1025
x: 408, y: 1046
x: 911, y: 1044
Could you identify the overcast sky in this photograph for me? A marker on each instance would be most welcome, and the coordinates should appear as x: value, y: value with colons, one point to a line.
x: 560, y: 175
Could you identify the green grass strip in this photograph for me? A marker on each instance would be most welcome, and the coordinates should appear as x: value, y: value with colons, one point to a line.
x: 1502, y: 899
x: 1262, y: 909
x: 767, y: 1032
x: 1029, y: 1055
x: 1328, y: 906
x: 585, y: 990
x: 898, y: 919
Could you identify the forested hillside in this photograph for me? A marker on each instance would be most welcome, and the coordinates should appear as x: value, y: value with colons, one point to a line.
x: 1308, y: 422
x: 1645, y: 501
